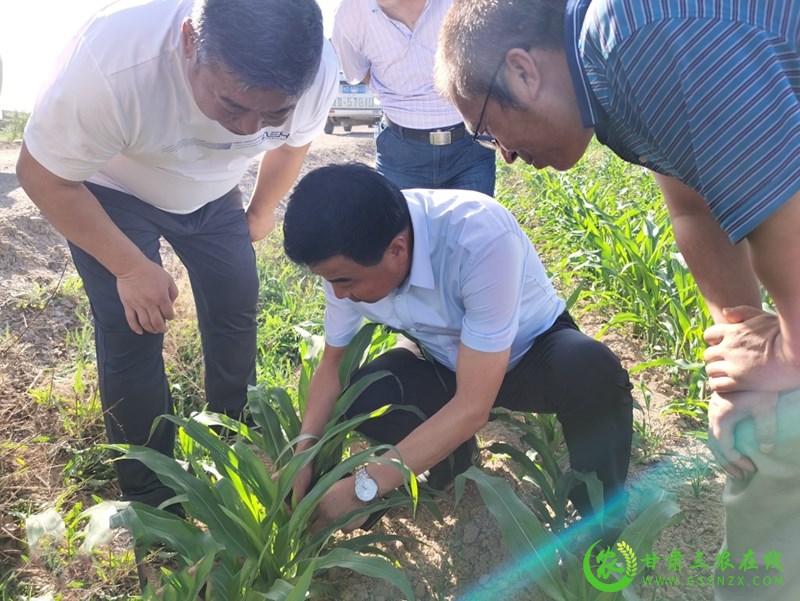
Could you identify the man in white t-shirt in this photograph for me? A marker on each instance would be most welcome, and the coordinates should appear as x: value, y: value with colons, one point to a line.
x: 144, y: 130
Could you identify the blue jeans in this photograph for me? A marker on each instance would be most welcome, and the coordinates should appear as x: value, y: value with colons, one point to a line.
x: 213, y: 243
x: 461, y: 165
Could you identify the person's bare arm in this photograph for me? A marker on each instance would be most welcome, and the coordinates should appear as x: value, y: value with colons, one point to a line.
x: 722, y: 270
x: 277, y: 172
x: 724, y: 273
x: 478, y: 379
x: 146, y: 290
x: 761, y: 351
x: 754, y: 357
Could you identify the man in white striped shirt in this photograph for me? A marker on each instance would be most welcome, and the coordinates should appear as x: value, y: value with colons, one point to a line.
x: 421, y: 141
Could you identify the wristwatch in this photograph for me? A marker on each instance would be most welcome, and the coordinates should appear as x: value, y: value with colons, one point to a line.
x: 366, y: 488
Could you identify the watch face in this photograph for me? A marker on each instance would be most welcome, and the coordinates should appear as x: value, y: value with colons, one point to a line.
x: 366, y: 489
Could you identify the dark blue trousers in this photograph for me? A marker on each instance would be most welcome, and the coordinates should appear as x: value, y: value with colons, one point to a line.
x: 461, y: 165
x: 214, y: 245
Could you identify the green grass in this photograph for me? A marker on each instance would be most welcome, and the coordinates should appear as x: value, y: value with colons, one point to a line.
x: 11, y: 128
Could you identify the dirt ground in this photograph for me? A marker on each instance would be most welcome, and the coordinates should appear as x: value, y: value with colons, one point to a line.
x: 463, y: 557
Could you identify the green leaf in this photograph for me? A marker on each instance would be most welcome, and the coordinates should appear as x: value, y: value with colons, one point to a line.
x: 373, y: 567
x: 528, y: 468
x: 279, y: 591
x: 528, y: 541
x: 300, y: 589
x: 149, y: 526
x: 201, y: 504
x: 355, y: 353
x: 352, y: 392
x: 642, y: 532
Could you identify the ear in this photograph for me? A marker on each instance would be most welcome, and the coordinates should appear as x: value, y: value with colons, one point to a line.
x: 187, y: 39
x: 523, y: 74
x: 398, y: 247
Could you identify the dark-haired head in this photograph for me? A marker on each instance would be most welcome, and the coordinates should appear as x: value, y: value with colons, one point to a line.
x: 350, y: 211
x: 268, y: 44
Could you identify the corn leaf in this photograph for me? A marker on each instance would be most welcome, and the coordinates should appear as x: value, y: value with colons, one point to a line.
x: 374, y: 567
x: 202, y: 504
x: 531, y: 545
x: 149, y: 526
x: 300, y: 589
x: 355, y: 353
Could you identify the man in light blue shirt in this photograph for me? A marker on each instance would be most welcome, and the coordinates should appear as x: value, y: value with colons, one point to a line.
x: 456, y: 272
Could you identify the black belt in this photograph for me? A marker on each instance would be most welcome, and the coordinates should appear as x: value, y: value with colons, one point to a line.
x: 438, y: 136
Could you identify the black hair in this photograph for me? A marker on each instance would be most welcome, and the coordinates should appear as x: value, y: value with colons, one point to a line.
x: 343, y: 210
x: 268, y: 44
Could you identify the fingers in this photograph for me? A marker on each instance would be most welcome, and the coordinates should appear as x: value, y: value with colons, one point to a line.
x: 152, y: 319
x: 319, y: 521
x: 297, y: 494
x: 723, y: 415
x: 714, y: 334
x: 147, y: 293
x: 722, y: 383
x: 717, y: 369
x: 146, y: 320
x: 133, y: 320
x: 355, y: 524
x: 173, y: 291
x: 729, y: 459
x: 733, y: 315
x: 740, y: 313
x: 155, y: 321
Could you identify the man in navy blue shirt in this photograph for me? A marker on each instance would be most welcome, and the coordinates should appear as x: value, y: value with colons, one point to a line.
x: 705, y: 94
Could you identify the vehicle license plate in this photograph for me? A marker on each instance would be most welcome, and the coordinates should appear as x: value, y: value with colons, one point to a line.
x: 357, y: 89
x: 354, y: 102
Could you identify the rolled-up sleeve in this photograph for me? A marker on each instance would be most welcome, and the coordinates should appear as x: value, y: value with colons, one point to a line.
x: 342, y: 321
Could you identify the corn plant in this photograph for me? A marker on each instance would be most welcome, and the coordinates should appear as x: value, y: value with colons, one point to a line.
x: 539, y: 465
x: 242, y: 539
x: 646, y: 438
x: 612, y: 233
x: 541, y: 555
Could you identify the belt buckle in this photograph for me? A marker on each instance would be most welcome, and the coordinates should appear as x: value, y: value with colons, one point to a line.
x: 439, y: 138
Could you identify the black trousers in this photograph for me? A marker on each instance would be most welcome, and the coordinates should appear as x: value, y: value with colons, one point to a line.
x: 565, y: 372
x: 214, y: 245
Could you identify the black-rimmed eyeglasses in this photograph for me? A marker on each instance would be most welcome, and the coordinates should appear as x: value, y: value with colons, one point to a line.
x: 486, y: 140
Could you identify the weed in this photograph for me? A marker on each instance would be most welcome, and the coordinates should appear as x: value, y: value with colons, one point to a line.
x: 694, y: 469
x: 542, y: 556
x: 33, y: 299
x: 647, y: 439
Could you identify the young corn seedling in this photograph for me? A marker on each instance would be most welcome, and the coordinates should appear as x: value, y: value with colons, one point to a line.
x: 539, y: 465
x: 242, y: 539
x: 540, y: 555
